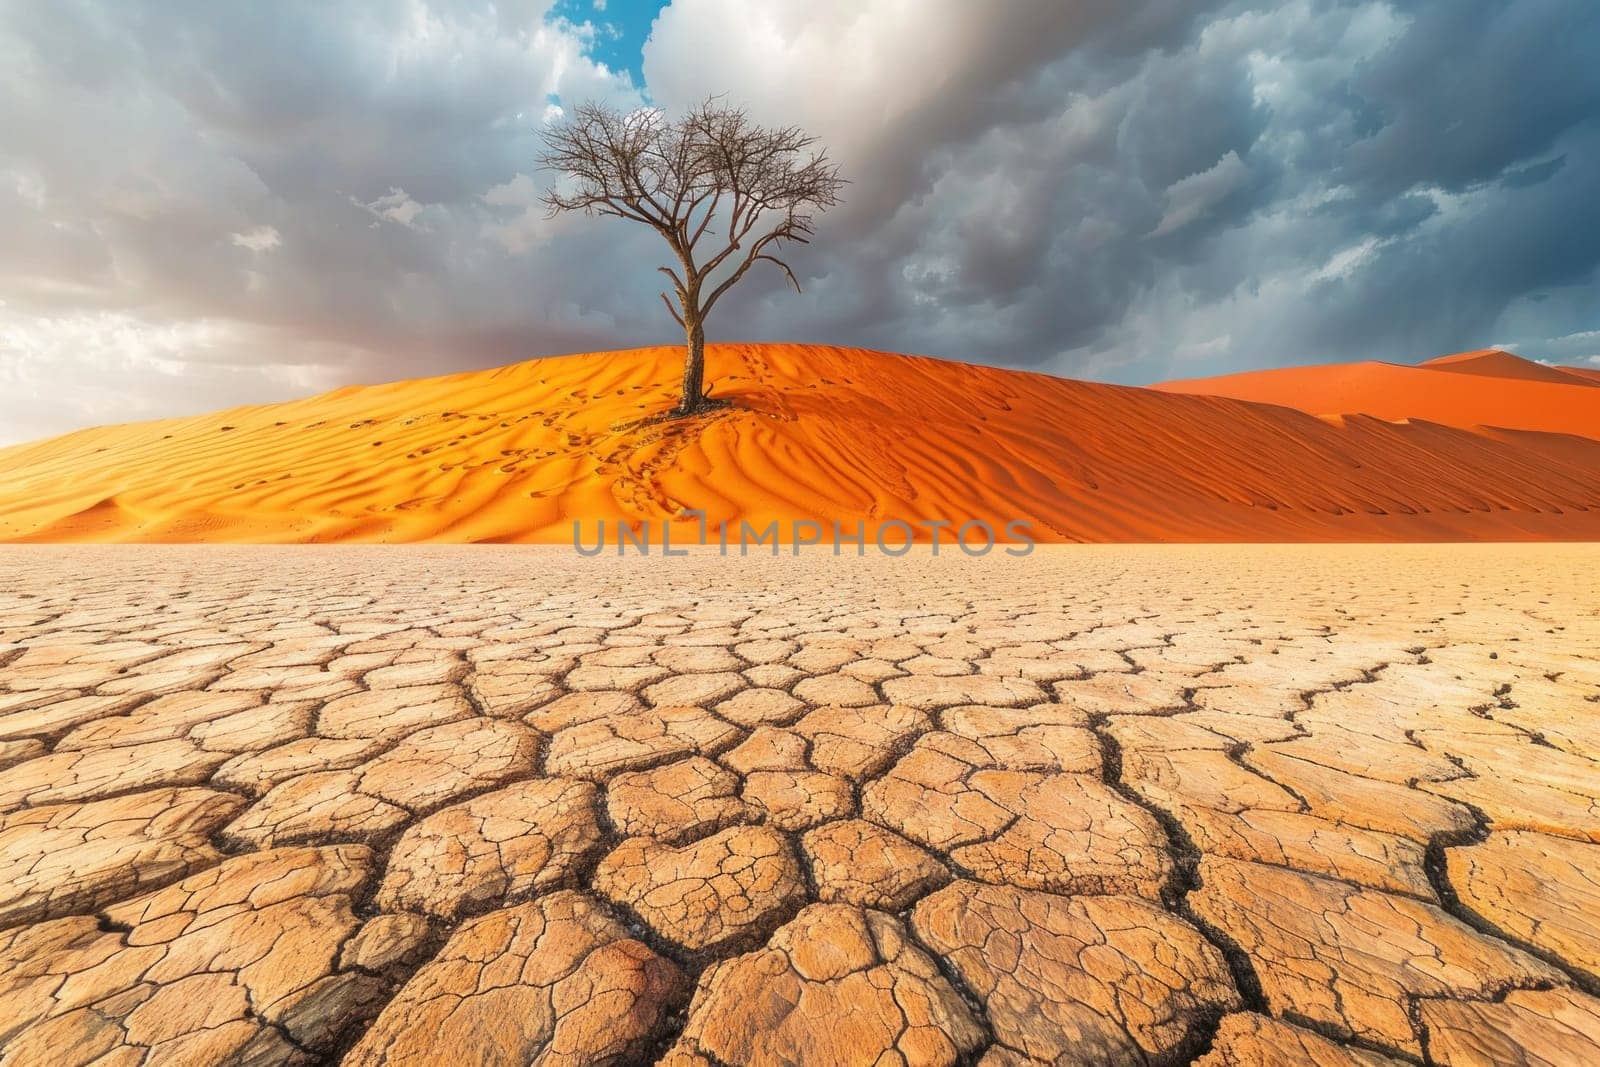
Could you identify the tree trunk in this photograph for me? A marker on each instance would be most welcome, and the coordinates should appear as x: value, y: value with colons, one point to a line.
x: 694, y: 367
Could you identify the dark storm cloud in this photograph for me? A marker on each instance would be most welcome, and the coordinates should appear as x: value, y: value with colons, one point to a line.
x: 208, y: 203
x: 1265, y: 184
x: 1475, y: 87
x: 361, y: 145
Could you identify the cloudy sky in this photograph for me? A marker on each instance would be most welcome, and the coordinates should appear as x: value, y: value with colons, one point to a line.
x: 206, y: 202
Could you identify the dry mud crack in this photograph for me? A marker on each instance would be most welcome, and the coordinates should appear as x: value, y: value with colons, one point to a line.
x: 1109, y: 805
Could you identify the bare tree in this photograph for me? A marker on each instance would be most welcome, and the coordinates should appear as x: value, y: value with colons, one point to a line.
x: 724, y: 193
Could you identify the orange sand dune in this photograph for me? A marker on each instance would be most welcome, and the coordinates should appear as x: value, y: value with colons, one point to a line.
x: 516, y: 454
x: 1488, y: 388
x: 1493, y: 363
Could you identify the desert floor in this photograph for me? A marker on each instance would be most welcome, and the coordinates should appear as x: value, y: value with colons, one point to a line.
x: 377, y: 805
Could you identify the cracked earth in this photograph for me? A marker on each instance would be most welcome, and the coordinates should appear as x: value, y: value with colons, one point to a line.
x: 1223, y: 805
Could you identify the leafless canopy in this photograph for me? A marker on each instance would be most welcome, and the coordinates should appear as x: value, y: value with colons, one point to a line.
x: 723, y: 192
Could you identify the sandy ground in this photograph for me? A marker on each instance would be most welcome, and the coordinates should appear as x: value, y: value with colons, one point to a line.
x: 1231, y: 805
x: 837, y: 434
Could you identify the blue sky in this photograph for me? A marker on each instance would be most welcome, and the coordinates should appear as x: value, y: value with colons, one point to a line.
x: 621, y: 28
x: 211, y: 204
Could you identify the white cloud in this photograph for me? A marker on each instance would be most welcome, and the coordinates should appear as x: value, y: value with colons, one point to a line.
x: 1573, y: 348
x: 258, y: 238
x: 86, y: 368
x: 527, y: 225
x: 1584, y: 337
x: 1347, y: 261
x: 1190, y: 198
x: 396, y: 206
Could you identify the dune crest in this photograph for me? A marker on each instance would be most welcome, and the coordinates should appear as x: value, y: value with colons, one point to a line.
x: 1487, y: 388
x: 1495, y: 363
x: 829, y: 434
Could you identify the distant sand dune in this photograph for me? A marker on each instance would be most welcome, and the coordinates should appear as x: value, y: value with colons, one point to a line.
x: 1469, y: 390
x: 517, y: 453
x: 1493, y: 363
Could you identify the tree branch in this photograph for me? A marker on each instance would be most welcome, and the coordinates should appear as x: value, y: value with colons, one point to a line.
x: 732, y: 279
x: 670, y: 309
x: 705, y: 221
x: 677, y: 283
x: 792, y: 279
